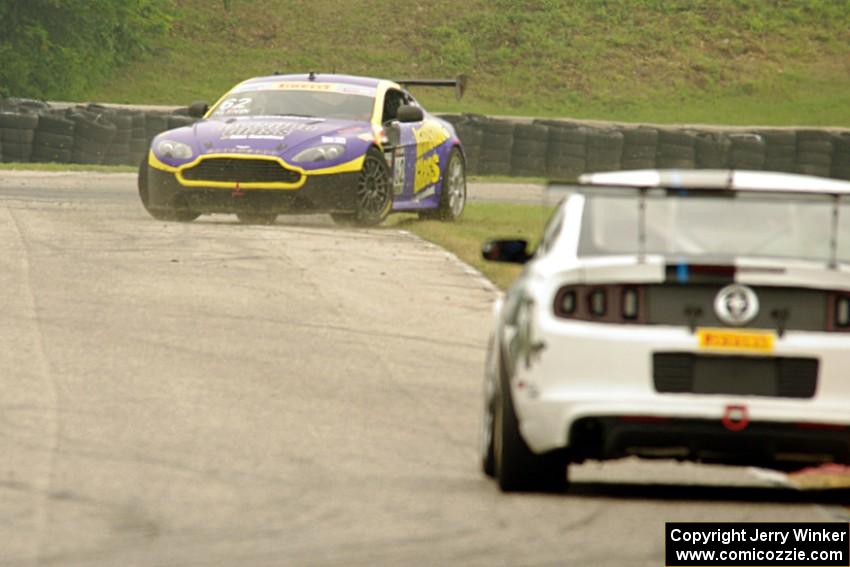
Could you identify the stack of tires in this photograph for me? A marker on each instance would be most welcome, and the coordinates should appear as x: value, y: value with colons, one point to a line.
x: 54, y: 138
x: 814, y: 152
x: 139, y: 143
x: 566, y: 151
x: 711, y: 150
x: 179, y: 121
x: 746, y: 151
x: 840, y: 167
x: 496, y: 147
x: 640, y: 146
x: 470, y: 134
x: 676, y: 149
x: 604, y: 148
x: 780, y: 150
x: 119, y: 150
x: 155, y: 122
x: 93, y: 133
x: 17, y: 130
x: 528, y: 154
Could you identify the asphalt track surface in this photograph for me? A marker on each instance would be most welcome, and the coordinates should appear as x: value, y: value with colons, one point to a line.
x: 297, y: 394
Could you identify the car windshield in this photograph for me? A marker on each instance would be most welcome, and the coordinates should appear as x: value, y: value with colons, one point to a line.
x: 747, y: 224
x: 325, y: 100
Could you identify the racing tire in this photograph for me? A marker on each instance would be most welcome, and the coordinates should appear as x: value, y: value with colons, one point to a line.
x: 257, y: 218
x: 22, y: 120
x: 516, y: 467
x: 97, y: 129
x: 17, y: 135
x: 55, y: 124
x: 51, y: 140
x: 453, y: 192
x: 46, y: 154
x: 374, y: 190
x: 160, y: 214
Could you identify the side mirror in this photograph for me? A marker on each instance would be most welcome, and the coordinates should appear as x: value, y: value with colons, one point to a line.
x: 409, y: 113
x: 198, y: 109
x: 511, y: 251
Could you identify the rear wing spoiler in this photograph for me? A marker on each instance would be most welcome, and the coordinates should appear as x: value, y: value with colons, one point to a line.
x: 725, y: 182
x: 459, y: 83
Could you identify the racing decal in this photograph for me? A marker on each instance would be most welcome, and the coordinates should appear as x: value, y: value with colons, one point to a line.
x: 424, y: 194
x: 235, y: 106
x: 264, y: 130
x: 358, y: 90
x: 399, y: 170
x: 243, y: 150
x: 428, y: 137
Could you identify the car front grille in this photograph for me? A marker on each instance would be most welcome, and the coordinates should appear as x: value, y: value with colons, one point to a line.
x: 235, y: 170
x: 780, y: 377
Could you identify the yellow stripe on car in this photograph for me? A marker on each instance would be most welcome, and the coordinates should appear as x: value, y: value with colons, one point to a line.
x: 347, y: 167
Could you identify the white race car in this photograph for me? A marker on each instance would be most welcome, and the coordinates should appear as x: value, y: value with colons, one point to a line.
x: 694, y: 315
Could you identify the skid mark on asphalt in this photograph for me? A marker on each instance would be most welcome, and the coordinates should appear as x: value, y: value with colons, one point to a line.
x: 51, y: 420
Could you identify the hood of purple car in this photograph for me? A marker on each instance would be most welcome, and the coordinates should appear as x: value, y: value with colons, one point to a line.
x: 280, y: 136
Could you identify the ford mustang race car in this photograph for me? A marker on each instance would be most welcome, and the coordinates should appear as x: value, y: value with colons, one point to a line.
x: 354, y: 147
x: 693, y: 315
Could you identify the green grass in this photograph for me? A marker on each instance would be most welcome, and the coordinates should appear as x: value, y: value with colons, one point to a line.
x: 730, y: 62
x: 67, y: 167
x: 480, y: 222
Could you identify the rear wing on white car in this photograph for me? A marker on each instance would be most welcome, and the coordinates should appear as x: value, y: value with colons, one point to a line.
x: 723, y: 183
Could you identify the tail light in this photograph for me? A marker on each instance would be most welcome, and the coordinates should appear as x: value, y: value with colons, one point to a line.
x: 630, y: 303
x: 597, y: 302
x: 838, y: 318
x: 603, y: 303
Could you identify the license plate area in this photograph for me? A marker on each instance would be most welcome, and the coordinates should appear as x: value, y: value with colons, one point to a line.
x: 736, y: 341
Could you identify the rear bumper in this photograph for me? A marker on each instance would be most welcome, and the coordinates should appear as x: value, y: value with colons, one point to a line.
x: 771, y: 445
x: 597, y: 371
x: 328, y: 193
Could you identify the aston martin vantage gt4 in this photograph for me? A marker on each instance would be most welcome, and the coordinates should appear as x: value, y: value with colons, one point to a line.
x: 355, y: 147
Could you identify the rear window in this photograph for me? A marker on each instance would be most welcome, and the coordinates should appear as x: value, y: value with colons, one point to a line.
x: 748, y: 224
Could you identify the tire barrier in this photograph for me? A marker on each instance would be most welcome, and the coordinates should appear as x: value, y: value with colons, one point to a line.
x: 676, y: 149
x: 572, y: 148
x: 17, y: 130
x: 711, y: 150
x: 841, y: 156
x: 528, y: 152
x: 746, y: 151
x: 780, y: 150
x: 640, y: 148
x: 604, y: 149
x: 814, y: 152
x: 468, y: 130
x: 32, y: 130
x: 566, y: 150
x: 497, y: 140
x: 138, y: 137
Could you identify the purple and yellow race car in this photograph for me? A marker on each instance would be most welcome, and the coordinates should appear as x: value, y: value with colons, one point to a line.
x: 355, y: 147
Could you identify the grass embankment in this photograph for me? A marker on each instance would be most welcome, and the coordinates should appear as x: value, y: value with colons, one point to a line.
x: 481, y: 221
x: 665, y: 61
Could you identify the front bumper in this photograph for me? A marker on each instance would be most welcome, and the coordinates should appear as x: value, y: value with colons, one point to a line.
x: 327, y: 193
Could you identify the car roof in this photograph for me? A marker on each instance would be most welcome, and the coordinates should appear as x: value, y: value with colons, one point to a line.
x: 320, y: 78
x: 718, y: 179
